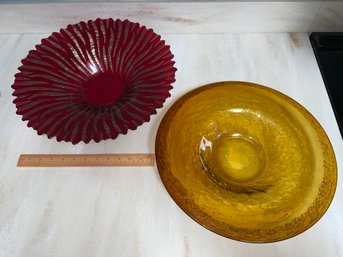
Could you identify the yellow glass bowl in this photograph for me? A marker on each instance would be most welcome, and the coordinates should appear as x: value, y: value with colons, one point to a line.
x: 246, y: 162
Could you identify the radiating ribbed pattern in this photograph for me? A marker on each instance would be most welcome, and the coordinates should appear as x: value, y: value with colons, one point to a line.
x: 49, y: 86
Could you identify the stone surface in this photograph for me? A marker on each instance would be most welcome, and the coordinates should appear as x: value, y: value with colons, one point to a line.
x: 329, y: 17
x: 191, y: 17
x: 126, y: 211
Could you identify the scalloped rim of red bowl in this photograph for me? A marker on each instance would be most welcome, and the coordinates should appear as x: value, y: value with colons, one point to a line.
x: 166, y: 94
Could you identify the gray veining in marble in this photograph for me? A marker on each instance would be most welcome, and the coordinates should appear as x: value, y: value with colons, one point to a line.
x: 329, y: 17
x: 83, y: 212
x: 178, y: 16
x: 185, y: 17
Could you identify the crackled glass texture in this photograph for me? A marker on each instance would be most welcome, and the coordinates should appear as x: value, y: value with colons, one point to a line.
x: 246, y: 161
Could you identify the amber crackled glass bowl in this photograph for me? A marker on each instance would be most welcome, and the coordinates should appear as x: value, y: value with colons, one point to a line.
x: 246, y: 161
x: 94, y: 80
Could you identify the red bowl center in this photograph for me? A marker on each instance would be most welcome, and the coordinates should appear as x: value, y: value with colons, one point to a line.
x: 102, y: 89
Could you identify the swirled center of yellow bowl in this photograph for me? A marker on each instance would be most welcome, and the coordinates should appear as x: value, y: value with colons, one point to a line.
x: 237, y: 157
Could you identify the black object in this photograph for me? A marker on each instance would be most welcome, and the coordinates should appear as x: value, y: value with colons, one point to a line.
x: 328, y: 48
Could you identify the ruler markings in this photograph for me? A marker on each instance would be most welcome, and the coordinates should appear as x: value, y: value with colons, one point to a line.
x: 85, y: 160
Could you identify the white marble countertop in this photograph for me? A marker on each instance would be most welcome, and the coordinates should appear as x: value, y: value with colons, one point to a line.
x: 127, y: 211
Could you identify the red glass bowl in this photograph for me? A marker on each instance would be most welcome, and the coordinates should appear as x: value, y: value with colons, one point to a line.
x: 94, y: 80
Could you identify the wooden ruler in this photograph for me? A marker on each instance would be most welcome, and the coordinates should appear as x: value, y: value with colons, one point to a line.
x: 85, y: 160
